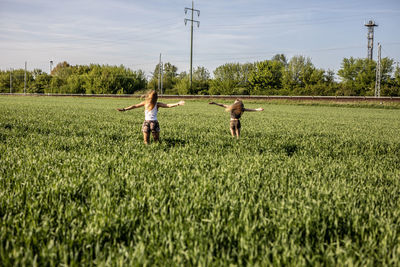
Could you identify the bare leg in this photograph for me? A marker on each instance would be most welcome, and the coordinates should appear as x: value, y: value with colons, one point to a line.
x: 156, y: 136
x: 233, y: 132
x: 237, y: 133
x: 146, y: 138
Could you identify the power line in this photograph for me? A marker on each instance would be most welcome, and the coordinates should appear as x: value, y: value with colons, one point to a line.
x: 388, y: 55
x: 295, y: 22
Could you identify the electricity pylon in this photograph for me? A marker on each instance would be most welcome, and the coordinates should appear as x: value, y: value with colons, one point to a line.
x: 191, y: 37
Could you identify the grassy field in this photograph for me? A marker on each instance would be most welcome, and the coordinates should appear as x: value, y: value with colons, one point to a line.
x: 305, y: 185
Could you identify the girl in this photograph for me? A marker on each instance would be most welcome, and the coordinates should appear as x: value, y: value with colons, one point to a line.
x: 236, y: 109
x: 150, y: 115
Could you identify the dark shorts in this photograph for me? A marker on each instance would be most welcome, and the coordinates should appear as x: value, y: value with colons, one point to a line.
x: 152, y: 126
x: 235, y: 124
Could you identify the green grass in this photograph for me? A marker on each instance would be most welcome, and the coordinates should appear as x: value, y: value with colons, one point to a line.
x: 305, y: 185
x: 355, y: 104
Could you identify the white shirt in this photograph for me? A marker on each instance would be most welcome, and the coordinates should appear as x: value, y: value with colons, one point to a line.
x: 151, y: 115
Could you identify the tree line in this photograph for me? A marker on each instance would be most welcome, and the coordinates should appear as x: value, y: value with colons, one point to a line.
x: 275, y: 76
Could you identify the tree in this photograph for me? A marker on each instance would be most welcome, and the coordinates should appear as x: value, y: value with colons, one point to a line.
x: 200, y: 82
x: 386, y: 69
x: 320, y: 83
x: 397, y: 76
x: 359, y: 75
x: 280, y: 58
x: 182, y: 85
x: 169, y: 77
x: 298, y: 73
x: 329, y: 76
x: 60, y: 74
x: 75, y: 84
x: 231, y: 79
x: 136, y: 81
x: 365, y: 79
x: 62, y: 70
x: 392, y: 87
x: 4, y: 81
x: 41, y: 83
x: 106, y: 79
x: 55, y: 84
x: 266, y: 78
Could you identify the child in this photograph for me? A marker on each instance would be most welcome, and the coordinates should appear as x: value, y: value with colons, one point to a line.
x: 236, y: 110
x: 150, y: 115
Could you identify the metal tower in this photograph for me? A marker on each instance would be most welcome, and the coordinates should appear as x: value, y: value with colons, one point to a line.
x: 191, y: 37
x: 370, y: 36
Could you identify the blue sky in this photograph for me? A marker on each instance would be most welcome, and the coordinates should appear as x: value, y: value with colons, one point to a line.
x: 134, y: 33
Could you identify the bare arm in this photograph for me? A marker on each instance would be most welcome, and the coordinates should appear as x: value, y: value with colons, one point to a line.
x: 250, y: 109
x: 221, y: 105
x: 131, y: 107
x: 162, y: 105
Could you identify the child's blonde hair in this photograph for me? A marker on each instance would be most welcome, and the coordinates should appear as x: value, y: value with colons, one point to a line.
x: 151, y: 100
x: 237, y: 108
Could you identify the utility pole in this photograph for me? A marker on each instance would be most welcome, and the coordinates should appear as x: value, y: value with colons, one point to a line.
x: 160, y: 75
x: 370, y: 36
x: 191, y: 38
x: 25, y: 79
x: 51, y: 66
x: 378, y: 74
x: 11, y: 80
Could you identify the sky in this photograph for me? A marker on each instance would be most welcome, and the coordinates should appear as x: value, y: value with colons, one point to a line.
x: 133, y: 33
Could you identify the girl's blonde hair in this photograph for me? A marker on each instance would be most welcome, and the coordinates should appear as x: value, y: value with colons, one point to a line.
x: 237, y: 108
x: 151, y: 100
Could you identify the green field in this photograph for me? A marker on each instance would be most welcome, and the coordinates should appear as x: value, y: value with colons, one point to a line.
x: 305, y: 185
